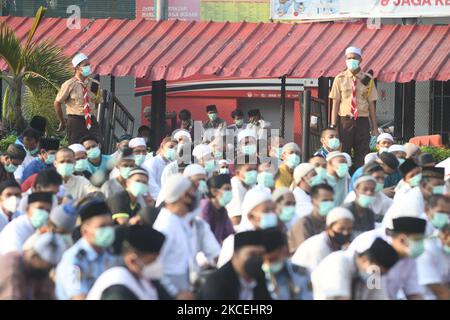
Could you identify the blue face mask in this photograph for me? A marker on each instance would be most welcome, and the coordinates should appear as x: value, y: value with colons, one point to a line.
x: 34, y: 151
x: 210, y: 165
x: 225, y: 198
x: 65, y: 169
x: 139, y: 159
x: 447, y: 249
x: 81, y: 165
x: 268, y: 220
x: 334, y: 143
x: 325, y: 207
x: 239, y: 122
x: 414, y: 181
x: 273, y: 268
x: 279, y: 152
x: 202, y: 187
x: 170, y: 154
x: 352, y: 64
x: 39, y: 218
x: 365, y: 201
x: 321, y: 173
x: 93, y: 153
x: 379, y: 187
x: 440, y: 220
x: 86, y: 71
x: 125, y: 172
x: 416, y: 248
x: 137, y: 188
x: 342, y: 170
x: 50, y: 159
x: 287, y: 213
x: 250, y: 177
x: 212, y: 116
x: 316, y: 180
x: 401, y: 161
x: 292, y: 160
x: 10, y: 168
x: 438, y: 190
x: 265, y: 179
x: 249, y: 149
x: 104, y: 237
x: 218, y: 154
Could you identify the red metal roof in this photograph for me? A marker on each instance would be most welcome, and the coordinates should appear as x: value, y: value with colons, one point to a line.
x: 177, y: 49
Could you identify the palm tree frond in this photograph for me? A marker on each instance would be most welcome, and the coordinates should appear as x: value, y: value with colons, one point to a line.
x: 10, y: 49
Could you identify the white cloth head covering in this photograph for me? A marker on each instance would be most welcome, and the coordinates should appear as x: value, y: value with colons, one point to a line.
x: 50, y: 247
x: 370, y: 157
x: 334, y: 154
x: 280, y: 192
x: 182, y: 133
x: 174, y: 188
x: 253, y: 198
x: 80, y: 57
x: 302, y: 170
x: 337, y: 214
x: 385, y: 136
x: 76, y: 147
x: 137, y: 142
x: 364, y: 179
x: 246, y: 133
x: 408, y: 208
x: 397, y: 148
x: 354, y: 50
x: 201, y: 150
x: 193, y: 170
x: 224, y: 161
x: 290, y: 146
x: 410, y: 149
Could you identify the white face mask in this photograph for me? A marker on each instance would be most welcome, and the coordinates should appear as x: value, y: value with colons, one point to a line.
x: 153, y: 271
x: 11, y: 204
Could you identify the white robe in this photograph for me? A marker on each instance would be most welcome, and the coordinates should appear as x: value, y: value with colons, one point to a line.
x: 141, y: 288
x: 303, y: 205
x: 238, y: 191
x: 154, y: 167
x: 380, y: 206
x: 312, y: 251
x: 14, y: 235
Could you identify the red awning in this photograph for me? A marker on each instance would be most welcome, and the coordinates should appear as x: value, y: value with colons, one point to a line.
x: 176, y: 49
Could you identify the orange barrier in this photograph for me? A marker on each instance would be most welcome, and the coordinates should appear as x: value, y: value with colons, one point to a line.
x: 432, y: 140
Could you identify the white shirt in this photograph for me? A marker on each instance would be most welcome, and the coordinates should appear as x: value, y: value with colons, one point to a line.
x: 401, y: 189
x: 169, y: 170
x: 402, y: 277
x: 155, y: 167
x: 79, y: 187
x: 433, y: 267
x: 335, y: 275
x: 204, y: 243
x: 381, y: 204
x: 23, y: 204
x: 411, y: 204
x: 303, y: 205
x: 238, y: 191
x: 19, y: 172
x: 141, y: 288
x: 246, y: 289
x: 312, y: 251
x: 4, y: 220
x: 228, y: 245
x: 14, y: 235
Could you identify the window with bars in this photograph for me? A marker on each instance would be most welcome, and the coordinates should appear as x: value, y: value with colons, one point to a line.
x: 440, y: 109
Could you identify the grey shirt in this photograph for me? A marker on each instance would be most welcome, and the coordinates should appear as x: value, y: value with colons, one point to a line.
x: 111, y: 187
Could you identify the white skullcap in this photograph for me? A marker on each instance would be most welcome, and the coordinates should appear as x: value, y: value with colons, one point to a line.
x: 364, y: 179
x: 348, y: 158
x: 385, y: 136
x: 137, y: 142
x: 246, y: 133
x: 76, y: 147
x: 182, y: 133
x: 201, y: 150
x: 355, y: 50
x: 50, y: 247
x: 397, y: 148
x: 253, y: 198
x: 174, y: 188
x: 370, y: 157
x: 407, y: 206
x: 411, y: 149
x: 337, y: 214
x: 224, y: 161
x: 290, y: 146
x: 335, y: 154
x: 302, y: 170
x: 280, y: 192
x: 193, y: 170
x: 80, y: 57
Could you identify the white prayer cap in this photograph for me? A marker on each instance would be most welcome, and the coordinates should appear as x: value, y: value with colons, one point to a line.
x: 290, y: 146
x: 193, y: 170
x: 337, y: 214
x: 385, y: 136
x: 224, y: 161
x: 80, y: 57
x: 354, y: 50
x: 348, y: 158
x: 397, y: 148
x: 246, y: 133
x: 280, y: 192
x: 407, y: 206
x: 76, y: 147
x: 335, y: 154
x: 182, y: 133
x: 253, y: 198
x: 50, y: 247
x: 137, y: 142
x: 411, y: 149
x: 174, y: 188
x: 370, y: 157
x: 302, y: 170
x: 201, y: 150
x: 364, y: 179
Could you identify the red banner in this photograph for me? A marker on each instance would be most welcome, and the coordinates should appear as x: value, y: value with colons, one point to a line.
x: 178, y: 9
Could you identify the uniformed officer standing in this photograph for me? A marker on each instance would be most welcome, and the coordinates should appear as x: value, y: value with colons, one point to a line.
x: 83, y: 263
x: 354, y: 95
x: 80, y: 101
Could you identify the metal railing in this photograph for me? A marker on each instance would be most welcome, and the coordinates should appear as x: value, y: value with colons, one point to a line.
x: 314, y: 119
x: 114, y: 120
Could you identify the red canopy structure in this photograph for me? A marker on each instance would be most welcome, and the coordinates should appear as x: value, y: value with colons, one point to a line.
x: 174, y: 49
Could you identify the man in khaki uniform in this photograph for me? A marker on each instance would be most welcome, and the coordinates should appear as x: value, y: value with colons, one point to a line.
x: 354, y: 95
x: 80, y: 109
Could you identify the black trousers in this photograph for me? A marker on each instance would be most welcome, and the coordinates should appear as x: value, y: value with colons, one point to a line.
x: 355, y: 134
x: 76, y: 129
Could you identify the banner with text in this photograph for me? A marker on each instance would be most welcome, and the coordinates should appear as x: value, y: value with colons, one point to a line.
x: 348, y: 9
x: 178, y: 9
